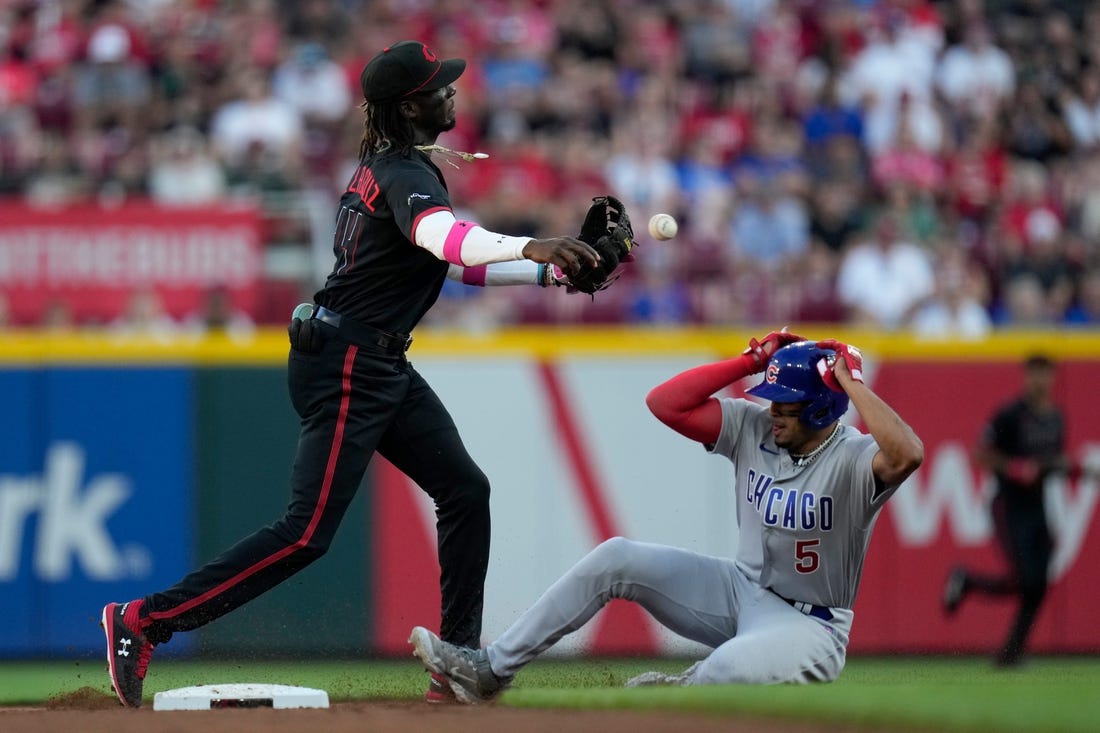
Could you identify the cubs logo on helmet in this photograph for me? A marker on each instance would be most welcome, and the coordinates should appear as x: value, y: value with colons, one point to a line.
x: 792, y: 376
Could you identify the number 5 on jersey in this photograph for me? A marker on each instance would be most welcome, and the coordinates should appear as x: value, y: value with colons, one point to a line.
x: 807, y: 558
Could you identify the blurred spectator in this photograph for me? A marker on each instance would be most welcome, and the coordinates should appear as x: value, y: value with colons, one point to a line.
x: 183, y: 171
x: 1032, y: 239
x: 314, y: 85
x: 915, y: 212
x: 829, y: 118
x: 20, y: 145
x: 1082, y: 110
x: 592, y: 29
x: 956, y: 308
x: 770, y: 227
x: 18, y: 76
x: 882, y: 281
x: 815, y: 298
x: 1045, y: 263
x: 58, y: 178
x: 144, y: 317
x: 904, y: 163
x: 975, y: 76
x: 892, y: 79
x: 1031, y: 212
x: 513, y: 183
x: 1080, y: 194
x: 322, y: 21
x: 112, y: 78
x: 703, y: 180
x: 1023, y: 304
x: 58, y: 35
x: 976, y: 173
x: 1034, y: 128
x: 218, y: 315
x: 778, y: 42
x: 258, y: 137
x: 318, y: 88
x: 58, y: 317
x: 774, y: 158
x: 258, y: 24
x: 661, y: 298
x: 640, y: 170
x: 1085, y: 310
x: 836, y: 215
x: 580, y: 175
x: 717, y: 43
x: 515, y: 64
x: 1065, y: 61
x: 722, y: 123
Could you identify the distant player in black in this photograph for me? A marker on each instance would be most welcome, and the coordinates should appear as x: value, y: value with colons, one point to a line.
x: 396, y: 240
x: 1022, y: 445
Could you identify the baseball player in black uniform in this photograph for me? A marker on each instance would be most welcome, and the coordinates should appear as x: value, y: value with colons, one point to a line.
x: 396, y: 239
x: 1022, y: 445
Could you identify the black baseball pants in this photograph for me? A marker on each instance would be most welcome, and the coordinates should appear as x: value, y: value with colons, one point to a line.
x: 353, y: 399
x: 1024, y: 538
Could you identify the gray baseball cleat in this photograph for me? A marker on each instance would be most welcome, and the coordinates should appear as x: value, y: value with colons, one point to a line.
x: 649, y: 679
x: 468, y: 670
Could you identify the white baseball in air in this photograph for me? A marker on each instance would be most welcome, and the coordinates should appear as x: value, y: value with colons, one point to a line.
x: 662, y: 227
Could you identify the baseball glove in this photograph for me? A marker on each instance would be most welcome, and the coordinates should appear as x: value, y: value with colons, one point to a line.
x: 607, y: 230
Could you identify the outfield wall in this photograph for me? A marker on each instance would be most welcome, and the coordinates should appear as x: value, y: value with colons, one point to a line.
x: 128, y: 462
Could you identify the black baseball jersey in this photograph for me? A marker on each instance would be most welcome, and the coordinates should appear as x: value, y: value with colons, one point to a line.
x: 1017, y: 431
x: 381, y: 277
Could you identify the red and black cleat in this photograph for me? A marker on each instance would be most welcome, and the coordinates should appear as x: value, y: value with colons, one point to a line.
x: 128, y: 651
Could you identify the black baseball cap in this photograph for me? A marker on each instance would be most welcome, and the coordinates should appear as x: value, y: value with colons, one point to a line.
x: 406, y: 68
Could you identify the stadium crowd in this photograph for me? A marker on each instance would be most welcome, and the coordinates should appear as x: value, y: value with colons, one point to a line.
x: 905, y: 164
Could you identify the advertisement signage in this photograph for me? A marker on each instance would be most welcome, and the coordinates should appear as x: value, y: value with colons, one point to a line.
x: 95, y: 499
x: 93, y: 260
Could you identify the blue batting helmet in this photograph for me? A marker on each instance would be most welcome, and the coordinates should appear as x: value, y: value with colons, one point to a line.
x: 792, y: 376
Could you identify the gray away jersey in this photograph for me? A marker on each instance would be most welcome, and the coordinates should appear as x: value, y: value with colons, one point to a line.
x: 803, y: 531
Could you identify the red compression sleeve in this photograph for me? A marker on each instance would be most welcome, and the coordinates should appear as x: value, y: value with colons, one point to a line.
x: 685, y: 402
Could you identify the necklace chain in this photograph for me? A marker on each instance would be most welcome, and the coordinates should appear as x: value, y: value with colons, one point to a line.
x: 803, y: 459
x: 468, y: 157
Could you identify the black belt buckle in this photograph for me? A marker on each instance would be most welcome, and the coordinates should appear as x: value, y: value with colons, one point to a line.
x: 392, y: 341
x: 361, y: 332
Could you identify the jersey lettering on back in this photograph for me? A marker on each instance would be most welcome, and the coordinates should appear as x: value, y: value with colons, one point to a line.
x: 788, y: 507
x: 363, y: 183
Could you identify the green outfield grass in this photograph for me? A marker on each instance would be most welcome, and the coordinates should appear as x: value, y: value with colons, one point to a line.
x: 935, y: 694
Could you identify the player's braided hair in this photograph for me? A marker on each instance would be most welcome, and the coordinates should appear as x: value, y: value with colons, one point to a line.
x: 385, y: 125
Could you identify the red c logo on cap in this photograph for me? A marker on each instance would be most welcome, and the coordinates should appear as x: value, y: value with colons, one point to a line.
x: 771, y: 376
x: 428, y: 54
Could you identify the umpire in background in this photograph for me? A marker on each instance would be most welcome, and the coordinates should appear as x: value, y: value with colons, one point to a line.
x: 1021, y: 445
x: 396, y: 239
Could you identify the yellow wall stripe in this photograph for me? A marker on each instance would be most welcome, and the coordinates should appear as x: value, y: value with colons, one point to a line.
x: 269, y: 346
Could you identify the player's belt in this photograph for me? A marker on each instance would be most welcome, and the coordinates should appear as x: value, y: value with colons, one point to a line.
x: 362, y: 333
x: 822, y: 612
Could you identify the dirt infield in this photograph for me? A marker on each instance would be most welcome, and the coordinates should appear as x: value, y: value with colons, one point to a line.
x: 90, y: 711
